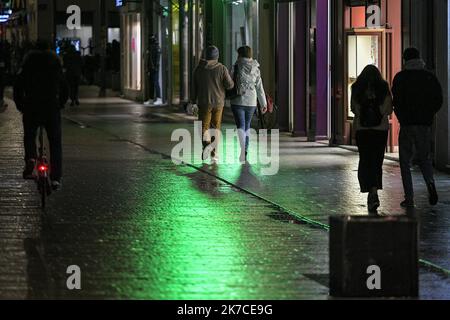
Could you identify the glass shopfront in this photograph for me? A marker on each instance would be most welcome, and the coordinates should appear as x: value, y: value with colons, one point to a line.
x: 362, y: 50
x: 241, y: 27
x: 132, y: 47
x: 179, y: 27
x: 372, y: 35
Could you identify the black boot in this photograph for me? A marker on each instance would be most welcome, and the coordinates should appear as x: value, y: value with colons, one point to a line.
x: 433, y: 199
x: 373, y: 202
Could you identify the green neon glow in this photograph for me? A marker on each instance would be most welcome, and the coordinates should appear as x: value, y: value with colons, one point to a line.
x: 187, y: 249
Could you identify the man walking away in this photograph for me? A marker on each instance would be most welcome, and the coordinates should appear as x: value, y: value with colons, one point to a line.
x: 40, y: 92
x: 211, y: 80
x: 417, y: 97
x: 73, y: 63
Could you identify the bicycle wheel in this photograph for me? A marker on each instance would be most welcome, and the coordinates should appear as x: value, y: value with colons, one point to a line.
x: 43, y: 191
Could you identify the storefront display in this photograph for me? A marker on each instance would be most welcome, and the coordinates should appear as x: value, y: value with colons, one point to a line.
x: 363, y: 33
x: 133, y: 50
x: 242, y: 28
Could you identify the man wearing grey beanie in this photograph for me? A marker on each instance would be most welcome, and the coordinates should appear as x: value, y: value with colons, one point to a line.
x: 212, y: 53
x: 211, y: 80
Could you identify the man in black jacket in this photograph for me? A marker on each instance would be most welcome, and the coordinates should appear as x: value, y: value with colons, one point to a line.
x: 153, y: 65
x: 417, y: 96
x: 40, y: 92
x: 73, y: 63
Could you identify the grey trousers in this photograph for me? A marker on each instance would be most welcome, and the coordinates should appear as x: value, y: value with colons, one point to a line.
x: 415, y: 142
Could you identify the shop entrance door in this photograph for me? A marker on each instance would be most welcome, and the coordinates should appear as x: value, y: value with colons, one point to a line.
x: 132, y: 47
x: 364, y: 47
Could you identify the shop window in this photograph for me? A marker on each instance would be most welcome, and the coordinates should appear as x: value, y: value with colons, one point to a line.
x: 81, y: 39
x: 113, y: 34
x: 363, y: 50
x: 132, y: 45
x: 242, y: 26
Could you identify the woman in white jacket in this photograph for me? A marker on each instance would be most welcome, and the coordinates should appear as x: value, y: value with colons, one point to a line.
x: 250, y: 90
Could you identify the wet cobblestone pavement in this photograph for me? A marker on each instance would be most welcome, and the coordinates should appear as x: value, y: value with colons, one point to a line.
x: 141, y: 227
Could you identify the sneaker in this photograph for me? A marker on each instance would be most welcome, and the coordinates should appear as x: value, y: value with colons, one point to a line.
x: 29, y: 170
x: 433, y: 199
x: 205, y: 155
x: 215, y: 160
x: 407, y: 204
x: 158, y: 102
x: 148, y: 102
x: 243, y: 158
x: 373, y: 202
x: 56, y: 185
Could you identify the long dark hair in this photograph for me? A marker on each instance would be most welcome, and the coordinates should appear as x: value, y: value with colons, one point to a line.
x: 370, y: 79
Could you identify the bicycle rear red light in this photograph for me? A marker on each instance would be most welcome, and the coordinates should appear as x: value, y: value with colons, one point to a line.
x: 43, y: 168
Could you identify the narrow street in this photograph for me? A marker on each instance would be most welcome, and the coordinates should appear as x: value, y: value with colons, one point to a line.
x: 140, y: 227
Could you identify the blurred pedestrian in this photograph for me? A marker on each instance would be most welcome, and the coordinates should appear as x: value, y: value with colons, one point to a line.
x: 90, y: 68
x: 417, y: 99
x: 211, y: 80
x: 115, y: 52
x: 73, y: 63
x: 249, y: 90
x: 372, y: 105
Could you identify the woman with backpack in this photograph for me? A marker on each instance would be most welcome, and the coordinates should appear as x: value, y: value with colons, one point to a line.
x: 372, y: 105
x: 249, y: 90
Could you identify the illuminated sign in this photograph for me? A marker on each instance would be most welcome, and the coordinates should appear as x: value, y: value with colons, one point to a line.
x: 5, y: 15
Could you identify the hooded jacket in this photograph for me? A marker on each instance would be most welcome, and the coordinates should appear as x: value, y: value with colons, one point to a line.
x: 211, y: 80
x: 417, y: 95
x: 249, y: 83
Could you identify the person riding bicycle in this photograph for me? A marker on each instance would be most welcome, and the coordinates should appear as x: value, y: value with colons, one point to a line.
x: 40, y: 92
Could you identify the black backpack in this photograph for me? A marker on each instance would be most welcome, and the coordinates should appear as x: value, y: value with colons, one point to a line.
x: 370, y: 114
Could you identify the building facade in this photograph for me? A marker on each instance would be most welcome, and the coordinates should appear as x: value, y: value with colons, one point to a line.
x: 310, y: 51
x: 427, y: 27
x: 362, y: 33
x: 47, y: 20
x: 303, y: 68
x: 231, y: 24
x: 179, y: 28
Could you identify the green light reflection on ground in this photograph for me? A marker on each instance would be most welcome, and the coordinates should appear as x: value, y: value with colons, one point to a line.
x: 197, y: 241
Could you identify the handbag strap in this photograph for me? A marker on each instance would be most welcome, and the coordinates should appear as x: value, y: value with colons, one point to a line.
x: 235, y: 72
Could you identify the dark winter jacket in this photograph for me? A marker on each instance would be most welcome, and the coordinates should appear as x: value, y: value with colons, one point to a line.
x: 153, y: 58
x: 73, y: 63
x: 211, y: 80
x: 417, y: 95
x: 40, y: 87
